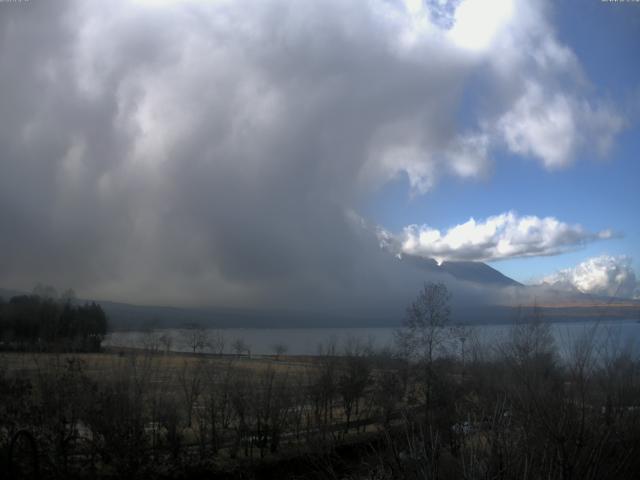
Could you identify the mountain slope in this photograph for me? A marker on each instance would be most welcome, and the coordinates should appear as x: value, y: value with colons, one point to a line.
x: 476, y: 272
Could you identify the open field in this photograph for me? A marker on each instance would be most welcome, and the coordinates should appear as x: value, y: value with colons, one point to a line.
x: 101, y: 365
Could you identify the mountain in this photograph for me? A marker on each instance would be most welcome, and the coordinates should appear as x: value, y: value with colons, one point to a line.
x: 476, y: 272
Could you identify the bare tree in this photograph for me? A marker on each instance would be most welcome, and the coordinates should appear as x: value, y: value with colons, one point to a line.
x: 166, y: 340
x: 423, y: 333
x: 217, y: 342
x: 240, y: 346
x: 269, y: 409
x: 279, y: 349
x: 218, y: 408
x: 530, y: 337
x: 354, y: 378
x: 150, y: 341
x: 323, y: 386
x: 196, y: 338
x: 190, y: 379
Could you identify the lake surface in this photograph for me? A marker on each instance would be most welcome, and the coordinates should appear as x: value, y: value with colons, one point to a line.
x: 307, y: 341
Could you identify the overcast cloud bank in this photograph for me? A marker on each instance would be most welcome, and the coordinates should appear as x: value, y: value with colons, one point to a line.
x: 207, y: 152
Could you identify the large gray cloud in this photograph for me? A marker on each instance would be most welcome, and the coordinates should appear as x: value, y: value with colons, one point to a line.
x: 210, y: 152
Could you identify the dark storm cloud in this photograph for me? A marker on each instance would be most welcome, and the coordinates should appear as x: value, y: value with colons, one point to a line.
x: 212, y: 152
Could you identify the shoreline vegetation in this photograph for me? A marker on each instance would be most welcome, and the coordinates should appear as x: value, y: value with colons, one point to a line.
x: 439, y: 405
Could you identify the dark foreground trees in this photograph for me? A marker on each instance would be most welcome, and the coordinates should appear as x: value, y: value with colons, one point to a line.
x: 518, y: 412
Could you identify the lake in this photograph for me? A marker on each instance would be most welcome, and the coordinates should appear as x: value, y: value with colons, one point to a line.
x: 306, y: 341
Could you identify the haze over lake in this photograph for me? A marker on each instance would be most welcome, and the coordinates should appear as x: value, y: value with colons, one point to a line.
x: 306, y: 341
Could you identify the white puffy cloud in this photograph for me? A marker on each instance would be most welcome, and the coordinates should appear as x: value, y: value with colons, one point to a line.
x: 553, y: 127
x: 503, y: 236
x: 603, y: 275
x: 542, y: 106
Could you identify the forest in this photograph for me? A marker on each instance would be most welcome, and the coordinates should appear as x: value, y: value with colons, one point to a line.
x: 44, y: 323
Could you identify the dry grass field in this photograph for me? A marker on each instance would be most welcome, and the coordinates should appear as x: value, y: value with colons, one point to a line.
x: 99, y: 365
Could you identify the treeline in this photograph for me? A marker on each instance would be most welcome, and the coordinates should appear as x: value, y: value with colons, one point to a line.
x: 42, y: 323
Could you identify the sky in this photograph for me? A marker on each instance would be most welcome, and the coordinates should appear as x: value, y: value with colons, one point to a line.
x: 282, y: 153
